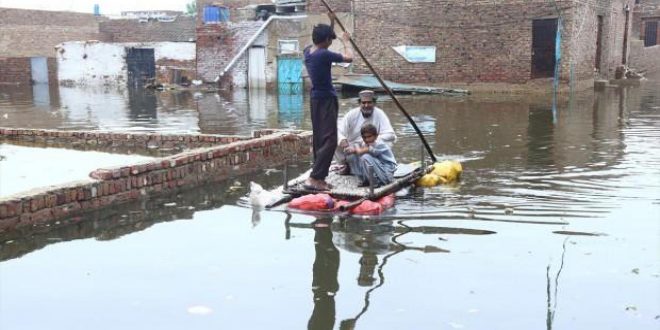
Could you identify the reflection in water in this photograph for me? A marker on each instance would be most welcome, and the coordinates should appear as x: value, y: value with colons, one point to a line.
x: 41, y: 94
x: 526, y: 178
x: 290, y: 110
x: 142, y: 105
x: 553, y: 297
x: 324, y: 282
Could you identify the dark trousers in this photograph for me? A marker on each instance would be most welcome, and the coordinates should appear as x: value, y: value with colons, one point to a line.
x: 324, y: 127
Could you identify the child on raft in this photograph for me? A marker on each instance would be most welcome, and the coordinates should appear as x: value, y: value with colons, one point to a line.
x: 371, y: 153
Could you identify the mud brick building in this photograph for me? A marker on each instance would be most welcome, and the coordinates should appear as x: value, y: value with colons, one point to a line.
x: 29, y: 38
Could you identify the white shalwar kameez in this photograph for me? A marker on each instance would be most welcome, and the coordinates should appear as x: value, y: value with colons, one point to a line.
x: 350, y: 125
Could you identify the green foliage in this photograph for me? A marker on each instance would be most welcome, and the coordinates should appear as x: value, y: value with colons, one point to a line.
x: 191, y: 8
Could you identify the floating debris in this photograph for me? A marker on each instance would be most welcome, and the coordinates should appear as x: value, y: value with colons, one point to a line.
x: 170, y: 204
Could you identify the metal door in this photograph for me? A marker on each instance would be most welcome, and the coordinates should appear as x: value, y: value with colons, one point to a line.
x: 651, y: 34
x: 289, y: 74
x: 141, y: 66
x: 544, y: 37
x: 39, y: 70
x: 257, y: 67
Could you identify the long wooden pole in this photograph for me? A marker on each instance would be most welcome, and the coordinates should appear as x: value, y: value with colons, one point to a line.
x: 382, y: 83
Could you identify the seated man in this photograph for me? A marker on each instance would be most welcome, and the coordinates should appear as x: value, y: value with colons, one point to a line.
x: 371, y: 153
x: 349, y: 127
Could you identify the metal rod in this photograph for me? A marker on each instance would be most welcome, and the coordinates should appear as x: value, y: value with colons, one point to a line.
x: 285, y: 174
x: 370, y: 174
x: 382, y: 83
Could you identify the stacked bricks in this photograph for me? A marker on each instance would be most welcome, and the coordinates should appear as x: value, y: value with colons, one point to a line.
x: 15, y: 71
x: 117, y: 185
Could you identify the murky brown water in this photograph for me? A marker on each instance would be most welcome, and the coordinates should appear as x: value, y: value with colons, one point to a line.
x: 556, y: 224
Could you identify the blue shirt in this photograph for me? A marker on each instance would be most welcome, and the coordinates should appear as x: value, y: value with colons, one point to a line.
x: 319, y: 64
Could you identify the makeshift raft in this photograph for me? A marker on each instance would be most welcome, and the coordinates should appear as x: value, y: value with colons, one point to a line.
x: 345, y: 187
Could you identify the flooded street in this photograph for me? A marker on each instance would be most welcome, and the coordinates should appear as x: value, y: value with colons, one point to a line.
x: 554, y: 225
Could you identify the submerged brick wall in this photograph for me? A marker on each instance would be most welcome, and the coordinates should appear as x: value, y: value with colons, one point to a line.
x: 114, y: 186
x: 29, y: 33
x: 116, y: 142
x: 15, y: 71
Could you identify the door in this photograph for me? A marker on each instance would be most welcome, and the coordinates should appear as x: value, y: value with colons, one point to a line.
x: 544, y: 37
x: 289, y: 74
x: 141, y: 66
x: 599, y: 42
x: 651, y: 34
x: 257, y: 67
x: 39, y: 68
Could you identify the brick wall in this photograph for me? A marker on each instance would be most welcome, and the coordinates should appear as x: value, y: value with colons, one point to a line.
x: 29, y: 33
x: 116, y: 142
x: 338, y: 6
x: 131, y: 30
x: 644, y: 59
x: 644, y: 9
x: 118, y: 185
x: 217, y: 44
x: 482, y: 41
x: 15, y: 70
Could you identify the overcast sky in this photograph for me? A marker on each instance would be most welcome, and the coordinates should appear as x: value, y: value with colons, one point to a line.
x: 108, y: 7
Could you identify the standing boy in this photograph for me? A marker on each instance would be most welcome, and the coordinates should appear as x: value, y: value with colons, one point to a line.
x: 324, y: 106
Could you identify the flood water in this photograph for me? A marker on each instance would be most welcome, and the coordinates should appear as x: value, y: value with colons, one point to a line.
x: 555, y: 224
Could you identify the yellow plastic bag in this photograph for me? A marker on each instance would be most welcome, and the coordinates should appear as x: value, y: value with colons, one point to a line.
x: 428, y: 180
x: 449, y: 171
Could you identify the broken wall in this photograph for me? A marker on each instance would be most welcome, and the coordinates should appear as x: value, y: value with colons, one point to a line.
x: 97, y: 63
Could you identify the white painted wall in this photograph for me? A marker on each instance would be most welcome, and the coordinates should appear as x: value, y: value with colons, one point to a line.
x: 97, y: 63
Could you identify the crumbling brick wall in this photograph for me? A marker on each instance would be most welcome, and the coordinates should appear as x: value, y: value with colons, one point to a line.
x: 29, y: 33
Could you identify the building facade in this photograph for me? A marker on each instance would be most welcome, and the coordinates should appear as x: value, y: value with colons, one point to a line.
x: 494, y: 45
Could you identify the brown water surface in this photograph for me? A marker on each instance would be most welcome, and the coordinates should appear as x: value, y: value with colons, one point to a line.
x: 555, y: 224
